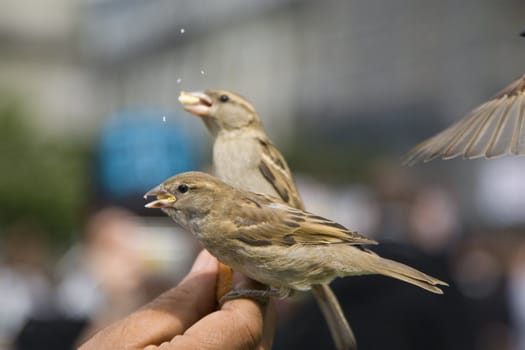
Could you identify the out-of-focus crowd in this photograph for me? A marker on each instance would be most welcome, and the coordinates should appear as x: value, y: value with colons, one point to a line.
x: 119, y: 262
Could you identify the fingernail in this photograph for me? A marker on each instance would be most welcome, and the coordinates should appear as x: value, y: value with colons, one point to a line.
x: 203, y: 261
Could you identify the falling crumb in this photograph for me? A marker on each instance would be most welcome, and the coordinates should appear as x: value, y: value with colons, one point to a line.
x: 164, y: 118
x: 179, y: 80
x: 182, y: 30
x: 202, y: 72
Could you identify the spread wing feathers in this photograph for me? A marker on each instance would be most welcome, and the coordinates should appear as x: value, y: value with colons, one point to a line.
x: 275, y: 170
x: 496, y: 128
x: 265, y: 222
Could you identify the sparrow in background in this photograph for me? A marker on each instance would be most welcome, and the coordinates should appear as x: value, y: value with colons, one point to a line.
x: 271, y: 242
x: 493, y: 129
x: 244, y: 157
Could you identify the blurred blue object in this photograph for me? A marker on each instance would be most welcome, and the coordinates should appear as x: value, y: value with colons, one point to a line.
x: 139, y: 148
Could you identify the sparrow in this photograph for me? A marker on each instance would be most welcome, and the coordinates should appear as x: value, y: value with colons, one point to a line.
x: 245, y: 157
x: 271, y: 242
x: 493, y: 129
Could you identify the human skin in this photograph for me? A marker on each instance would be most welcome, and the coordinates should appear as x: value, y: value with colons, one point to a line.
x: 186, y: 317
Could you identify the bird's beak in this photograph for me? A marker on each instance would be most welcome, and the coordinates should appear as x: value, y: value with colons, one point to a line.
x: 164, y: 199
x: 197, y: 103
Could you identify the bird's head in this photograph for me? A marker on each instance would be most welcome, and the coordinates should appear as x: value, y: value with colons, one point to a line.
x: 220, y: 109
x: 186, y: 196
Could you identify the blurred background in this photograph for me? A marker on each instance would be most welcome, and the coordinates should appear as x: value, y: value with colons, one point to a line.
x: 89, y: 121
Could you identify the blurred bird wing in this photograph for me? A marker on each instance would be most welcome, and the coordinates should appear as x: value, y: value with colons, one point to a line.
x: 515, y: 88
x: 493, y: 129
x: 276, y: 171
x: 262, y: 221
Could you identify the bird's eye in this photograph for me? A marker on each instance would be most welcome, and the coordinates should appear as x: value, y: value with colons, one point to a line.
x: 224, y: 98
x: 183, y: 188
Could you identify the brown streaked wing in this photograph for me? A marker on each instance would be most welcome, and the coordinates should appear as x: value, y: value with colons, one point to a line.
x: 262, y: 218
x: 275, y: 170
x: 319, y: 230
x: 265, y: 221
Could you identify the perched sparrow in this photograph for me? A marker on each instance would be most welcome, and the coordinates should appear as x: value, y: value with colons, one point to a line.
x: 244, y: 157
x: 271, y: 242
x: 496, y: 128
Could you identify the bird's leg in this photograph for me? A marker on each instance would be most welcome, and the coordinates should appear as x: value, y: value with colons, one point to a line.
x: 261, y: 295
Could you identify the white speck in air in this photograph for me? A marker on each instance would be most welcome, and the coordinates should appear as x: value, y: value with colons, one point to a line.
x: 182, y: 30
x: 164, y: 118
x: 179, y: 80
x: 202, y: 72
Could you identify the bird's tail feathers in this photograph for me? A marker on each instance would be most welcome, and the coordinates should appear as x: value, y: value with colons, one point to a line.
x: 342, y: 334
x: 407, y: 274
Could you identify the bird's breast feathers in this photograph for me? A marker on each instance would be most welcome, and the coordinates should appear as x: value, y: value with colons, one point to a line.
x: 236, y: 161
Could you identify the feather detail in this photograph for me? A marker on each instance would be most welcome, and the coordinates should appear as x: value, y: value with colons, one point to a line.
x: 493, y: 129
x: 275, y: 170
x: 261, y: 221
x: 406, y: 273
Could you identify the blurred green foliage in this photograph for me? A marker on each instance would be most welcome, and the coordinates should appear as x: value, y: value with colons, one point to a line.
x: 42, y: 182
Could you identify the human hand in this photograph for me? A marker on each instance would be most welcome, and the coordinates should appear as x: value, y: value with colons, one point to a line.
x: 186, y: 317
